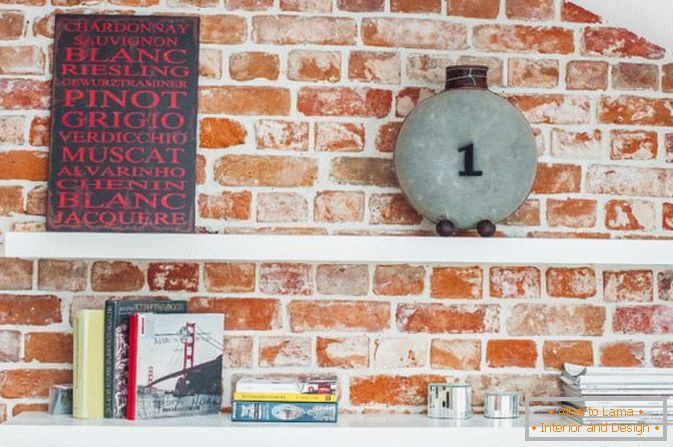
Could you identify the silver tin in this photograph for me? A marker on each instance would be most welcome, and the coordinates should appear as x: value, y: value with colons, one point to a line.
x: 501, y: 405
x: 449, y: 401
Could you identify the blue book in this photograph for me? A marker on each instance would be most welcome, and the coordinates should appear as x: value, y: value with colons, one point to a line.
x: 243, y: 411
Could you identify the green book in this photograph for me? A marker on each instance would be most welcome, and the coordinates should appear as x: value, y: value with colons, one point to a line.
x: 88, y: 364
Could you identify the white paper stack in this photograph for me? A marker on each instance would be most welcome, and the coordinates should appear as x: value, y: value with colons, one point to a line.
x: 601, y: 386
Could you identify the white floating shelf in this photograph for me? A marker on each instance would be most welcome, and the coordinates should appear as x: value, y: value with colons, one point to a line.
x: 389, y: 249
x: 377, y: 430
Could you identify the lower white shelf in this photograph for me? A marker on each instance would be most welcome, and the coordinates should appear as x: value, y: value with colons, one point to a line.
x: 373, y: 430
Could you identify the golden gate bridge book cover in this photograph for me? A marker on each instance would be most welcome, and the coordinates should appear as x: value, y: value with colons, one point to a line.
x: 175, y: 365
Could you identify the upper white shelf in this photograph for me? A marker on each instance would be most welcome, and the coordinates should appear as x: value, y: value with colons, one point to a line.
x: 390, y: 249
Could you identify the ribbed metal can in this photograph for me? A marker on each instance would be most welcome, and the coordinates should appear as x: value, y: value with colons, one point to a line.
x: 501, y: 405
x: 449, y: 401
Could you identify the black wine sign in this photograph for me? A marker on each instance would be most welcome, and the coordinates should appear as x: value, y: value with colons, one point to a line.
x: 123, y: 125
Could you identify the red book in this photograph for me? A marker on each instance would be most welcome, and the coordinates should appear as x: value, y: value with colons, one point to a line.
x: 134, y: 321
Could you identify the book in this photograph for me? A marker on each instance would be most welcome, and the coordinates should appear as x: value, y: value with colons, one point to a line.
x: 175, y: 365
x: 88, y: 364
x: 287, y: 384
x: 117, y: 314
x: 283, y: 412
x: 284, y: 397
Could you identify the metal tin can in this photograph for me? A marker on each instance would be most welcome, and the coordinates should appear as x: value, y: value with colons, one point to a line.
x: 501, y: 405
x: 449, y: 401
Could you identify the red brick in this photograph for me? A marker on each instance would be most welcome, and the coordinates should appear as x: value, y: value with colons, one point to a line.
x: 633, y: 145
x: 533, y: 72
x: 523, y: 38
x: 392, y: 209
x: 416, y: 6
x: 342, y: 279
x: 16, y: 274
x: 527, y: 385
x: 555, y: 179
x: 219, y: 133
x: 244, y: 100
x: 399, y: 280
x: 48, y: 347
x: 306, y: 5
x: 360, y: 5
x: 116, y: 276
x: 530, y: 9
x: 200, y: 169
x: 511, y: 353
x: 12, y: 25
x: 363, y: 171
x: 409, y: 97
x: 587, y: 75
x: 226, y: 205
x: 10, y: 346
x: 630, y: 215
x: 11, y: 129
x: 478, y: 9
x: 292, y: 29
x: 23, y: 383
x: 3, y: 413
x: 514, y: 282
x: 21, y: 408
x: 254, y: 314
x: 284, y: 351
x: 622, y: 353
x: 257, y: 170
x: 62, y: 275
x: 249, y: 65
x: 387, y: 136
x: 344, y: 101
x: 576, y: 145
x: 283, y: 135
x: 556, y: 353
x: 635, y: 110
x: 571, y: 282
x: 391, y: 390
x: 210, y: 63
x: 339, y: 206
x: 456, y: 282
x: 629, y: 181
x: 655, y: 319
x: 553, y: 109
x: 570, y: 12
x: 237, y: 352
x: 630, y: 285
x: 429, y: 68
x: 574, y: 213
x: 281, y: 207
x: 435, y: 318
x: 229, y: 277
x: 495, y: 67
x: 339, y: 137
x: 370, y: 66
x: 667, y: 79
x: 312, y: 65
x: 173, y: 276
x: 627, y: 76
x: 36, y: 203
x: 23, y: 165
x: 39, y: 131
x: 455, y: 354
x: 249, y: 5
x: 544, y: 319
x: 667, y: 216
x: 286, y: 279
x: 398, y: 352
x: 618, y: 42
x: 662, y: 354
x: 37, y: 310
x: 223, y: 29
x: 665, y: 285
x: 342, y: 352
x: 21, y: 60
x: 528, y: 214
x: 413, y: 33
x: 358, y: 316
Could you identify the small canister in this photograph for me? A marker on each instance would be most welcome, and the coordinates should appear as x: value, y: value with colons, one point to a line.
x: 501, y: 405
x: 449, y: 401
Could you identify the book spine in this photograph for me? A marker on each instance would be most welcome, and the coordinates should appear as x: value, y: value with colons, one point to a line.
x: 284, y: 397
x: 243, y: 411
x: 133, y: 366
x: 110, y: 324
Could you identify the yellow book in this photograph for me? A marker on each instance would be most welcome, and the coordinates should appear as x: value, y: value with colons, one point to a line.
x: 284, y: 397
x: 88, y: 364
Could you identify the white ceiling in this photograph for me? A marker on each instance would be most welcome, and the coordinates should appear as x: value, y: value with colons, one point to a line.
x: 651, y: 19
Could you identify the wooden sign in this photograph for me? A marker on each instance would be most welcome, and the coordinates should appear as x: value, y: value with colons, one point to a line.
x: 123, y: 124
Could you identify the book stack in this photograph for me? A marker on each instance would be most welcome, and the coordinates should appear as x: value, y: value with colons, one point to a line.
x: 146, y: 359
x: 617, y: 395
x: 285, y: 399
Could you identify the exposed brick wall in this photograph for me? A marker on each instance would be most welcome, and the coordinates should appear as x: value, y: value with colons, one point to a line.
x: 300, y: 102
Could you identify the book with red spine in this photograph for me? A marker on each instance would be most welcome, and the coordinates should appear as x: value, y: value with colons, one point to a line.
x: 133, y: 366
